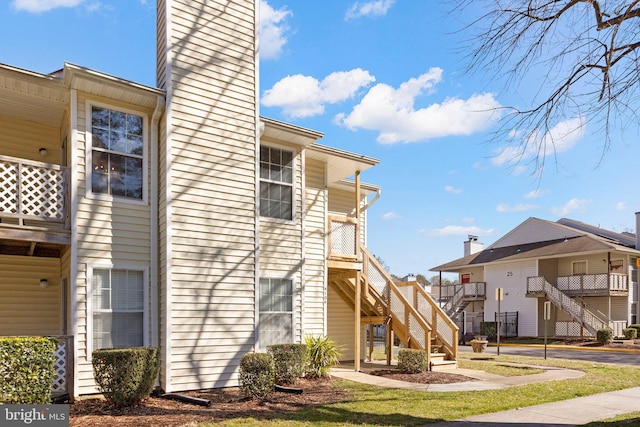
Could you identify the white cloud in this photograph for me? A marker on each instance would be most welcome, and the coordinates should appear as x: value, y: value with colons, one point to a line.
x: 572, y: 205
x: 390, y: 215
x: 621, y: 206
x: 562, y: 137
x: 39, y: 6
x: 458, y: 230
x: 522, y: 207
x: 391, y: 112
x: 535, y: 194
x: 371, y: 8
x: 452, y: 190
x: 272, y: 30
x: 305, y: 96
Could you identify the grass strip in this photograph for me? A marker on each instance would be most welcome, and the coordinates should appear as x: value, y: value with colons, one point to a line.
x: 375, y: 406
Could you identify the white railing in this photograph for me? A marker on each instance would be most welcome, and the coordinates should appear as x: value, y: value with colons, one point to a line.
x: 466, y: 291
x: 577, y: 310
x: 32, y: 190
x: 343, y: 237
x: 593, y: 283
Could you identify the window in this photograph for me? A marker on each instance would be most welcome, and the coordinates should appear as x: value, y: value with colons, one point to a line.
x: 276, y: 312
x: 118, y: 308
x: 579, y: 267
x: 117, y: 148
x: 276, y: 183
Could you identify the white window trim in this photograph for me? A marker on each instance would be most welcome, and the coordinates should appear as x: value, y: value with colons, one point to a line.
x: 294, y: 291
x: 89, y: 155
x: 294, y: 186
x: 89, y: 298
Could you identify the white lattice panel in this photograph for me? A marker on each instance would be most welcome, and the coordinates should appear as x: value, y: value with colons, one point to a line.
x: 417, y: 331
x: 8, y: 186
x: 445, y: 330
x: 376, y: 278
x: 41, y: 192
x: 343, y: 239
x: 59, y: 384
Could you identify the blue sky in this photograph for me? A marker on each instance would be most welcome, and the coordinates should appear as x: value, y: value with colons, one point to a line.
x: 386, y: 79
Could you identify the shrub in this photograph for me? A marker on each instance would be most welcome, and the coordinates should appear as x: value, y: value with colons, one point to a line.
x: 412, y: 361
x: 489, y: 329
x: 322, y: 355
x: 604, y: 336
x: 636, y: 326
x: 26, y: 370
x: 257, y: 375
x: 290, y: 360
x: 630, y: 333
x: 126, y: 375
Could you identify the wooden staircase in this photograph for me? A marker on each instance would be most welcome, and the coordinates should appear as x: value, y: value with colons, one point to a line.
x: 406, y: 309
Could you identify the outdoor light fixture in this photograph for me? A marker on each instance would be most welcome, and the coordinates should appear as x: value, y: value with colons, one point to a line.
x: 44, y: 283
x: 43, y: 152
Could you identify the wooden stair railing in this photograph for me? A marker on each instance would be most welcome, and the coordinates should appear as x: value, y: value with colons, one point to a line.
x: 416, y: 314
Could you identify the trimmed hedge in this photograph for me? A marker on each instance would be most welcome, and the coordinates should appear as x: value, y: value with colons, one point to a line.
x: 26, y: 370
x: 257, y: 375
x: 636, y: 326
x: 126, y: 375
x: 604, y: 336
x: 412, y: 361
x: 630, y: 333
x: 290, y: 361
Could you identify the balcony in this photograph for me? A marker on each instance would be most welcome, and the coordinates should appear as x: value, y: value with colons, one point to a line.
x: 33, y: 204
x: 343, y: 243
x: 594, y: 284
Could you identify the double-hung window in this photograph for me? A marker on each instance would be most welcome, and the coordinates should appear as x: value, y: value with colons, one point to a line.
x: 276, y: 183
x: 117, y: 152
x: 276, y: 312
x: 118, y: 308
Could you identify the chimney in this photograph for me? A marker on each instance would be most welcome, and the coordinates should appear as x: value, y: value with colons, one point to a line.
x: 409, y: 278
x: 472, y: 246
x: 638, y: 230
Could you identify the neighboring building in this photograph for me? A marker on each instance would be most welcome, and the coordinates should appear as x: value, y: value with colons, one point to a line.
x: 588, y: 274
x: 177, y: 217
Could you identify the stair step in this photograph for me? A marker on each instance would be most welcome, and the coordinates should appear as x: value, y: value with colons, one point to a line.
x: 443, y: 365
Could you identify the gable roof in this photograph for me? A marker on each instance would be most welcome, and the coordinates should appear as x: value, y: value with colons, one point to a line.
x: 539, y: 239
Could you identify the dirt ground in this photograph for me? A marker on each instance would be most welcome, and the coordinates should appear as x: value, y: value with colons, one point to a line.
x: 228, y: 403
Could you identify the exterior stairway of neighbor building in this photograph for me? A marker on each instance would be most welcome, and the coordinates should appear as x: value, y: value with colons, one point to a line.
x: 588, y: 318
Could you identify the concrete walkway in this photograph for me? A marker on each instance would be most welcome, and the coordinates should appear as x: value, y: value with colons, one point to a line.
x: 572, y: 412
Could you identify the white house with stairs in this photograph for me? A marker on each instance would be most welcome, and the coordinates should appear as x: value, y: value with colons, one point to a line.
x: 589, y: 274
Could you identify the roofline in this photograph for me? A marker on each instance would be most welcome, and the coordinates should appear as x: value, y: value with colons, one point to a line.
x: 370, y: 161
x: 288, y: 127
x: 73, y: 70
x: 568, y: 254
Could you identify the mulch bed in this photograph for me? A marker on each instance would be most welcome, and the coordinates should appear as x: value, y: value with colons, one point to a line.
x: 226, y: 403
x: 230, y: 403
x: 427, y: 377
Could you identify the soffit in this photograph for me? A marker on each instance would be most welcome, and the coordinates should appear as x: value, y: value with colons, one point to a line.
x: 31, y: 96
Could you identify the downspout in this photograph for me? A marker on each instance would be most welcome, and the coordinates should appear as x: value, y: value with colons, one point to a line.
x: 372, y: 201
x: 73, y: 258
x: 155, y: 306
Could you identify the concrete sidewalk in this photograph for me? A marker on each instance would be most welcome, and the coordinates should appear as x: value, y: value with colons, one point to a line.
x: 574, y: 412
x: 579, y: 411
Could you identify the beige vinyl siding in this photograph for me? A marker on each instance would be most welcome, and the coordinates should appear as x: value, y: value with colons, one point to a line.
x: 340, y: 327
x: 23, y: 139
x: 314, y: 250
x: 26, y: 308
x: 595, y: 264
x: 111, y: 231
x: 211, y: 192
x: 281, y: 248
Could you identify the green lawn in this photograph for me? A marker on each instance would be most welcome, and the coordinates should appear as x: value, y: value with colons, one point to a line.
x: 374, y: 406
